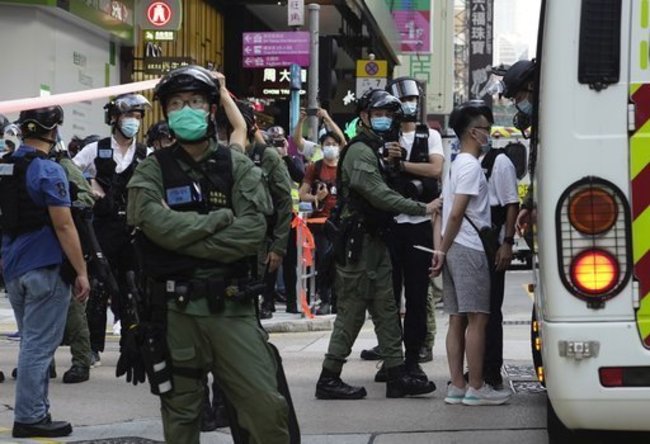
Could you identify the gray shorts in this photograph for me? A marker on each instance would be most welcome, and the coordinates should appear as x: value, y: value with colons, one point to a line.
x: 466, y: 281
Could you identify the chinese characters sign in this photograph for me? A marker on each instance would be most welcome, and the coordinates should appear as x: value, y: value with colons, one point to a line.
x: 161, y: 65
x: 275, y: 49
x: 413, y: 22
x: 296, y: 12
x: 480, y: 44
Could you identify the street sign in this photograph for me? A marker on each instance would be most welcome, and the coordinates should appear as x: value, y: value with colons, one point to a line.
x: 159, y: 36
x: 275, y: 49
x: 159, y: 15
x: 161, y: 65
x: 296, y: 12
x: 371, y: 74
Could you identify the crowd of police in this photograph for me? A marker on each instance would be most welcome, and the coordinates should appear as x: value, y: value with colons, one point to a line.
x: 181, y: 239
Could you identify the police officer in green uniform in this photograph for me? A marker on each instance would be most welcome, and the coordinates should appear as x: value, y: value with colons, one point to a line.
x: 201, y: 215
x: 363, y: 271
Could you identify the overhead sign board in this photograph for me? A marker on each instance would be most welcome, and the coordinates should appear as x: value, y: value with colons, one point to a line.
x: 275, y: 49
x: 413, y: 22
x: 162, y: 65
x: 296, y: 12
x: 160, y: 15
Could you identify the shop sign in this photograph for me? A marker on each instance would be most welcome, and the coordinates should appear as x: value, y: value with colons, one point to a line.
x: 161, y: 65
x: 160, y: 15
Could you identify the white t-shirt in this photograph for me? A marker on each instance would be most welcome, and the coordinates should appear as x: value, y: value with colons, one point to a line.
x: 502, y: 186
x: 435, y: 147
x: 466, y: 177
x: 85, y: 159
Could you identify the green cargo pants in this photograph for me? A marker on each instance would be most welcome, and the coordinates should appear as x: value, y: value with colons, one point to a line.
x: 77, y: 335
x: 365, y: 285
x: 235, y: 350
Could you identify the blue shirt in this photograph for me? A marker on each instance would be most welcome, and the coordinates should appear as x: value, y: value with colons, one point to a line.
x: 47, y: 185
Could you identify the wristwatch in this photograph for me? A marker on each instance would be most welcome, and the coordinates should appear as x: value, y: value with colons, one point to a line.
x: 509, y: 240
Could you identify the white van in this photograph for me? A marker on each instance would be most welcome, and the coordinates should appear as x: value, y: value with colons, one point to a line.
x: 591, y: 179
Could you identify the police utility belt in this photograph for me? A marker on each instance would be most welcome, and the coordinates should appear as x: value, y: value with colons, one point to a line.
x: 215, y: 291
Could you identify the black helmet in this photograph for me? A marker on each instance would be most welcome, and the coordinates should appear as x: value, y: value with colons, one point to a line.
x: 517, y: 76
x: 404, y: 87
x: 184, y: 79
x: 158, y: 131
x: 276, y: 132
x: 41, y: 120
x: 378, y: 99
x: 124, y: 103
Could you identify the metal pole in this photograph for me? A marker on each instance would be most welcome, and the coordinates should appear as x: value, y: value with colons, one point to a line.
x: 312, y: 89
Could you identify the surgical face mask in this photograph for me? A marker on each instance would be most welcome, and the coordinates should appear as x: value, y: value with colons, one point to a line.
x: 129, y: 126
x: 381, y: 124
x: 410, y: 108
x: 188, y: 123
x: 525, y: 107
x: 331, y: 152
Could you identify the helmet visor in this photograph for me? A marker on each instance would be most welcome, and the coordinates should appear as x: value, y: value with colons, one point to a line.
x: 405, y: 88
x: 132, y: 102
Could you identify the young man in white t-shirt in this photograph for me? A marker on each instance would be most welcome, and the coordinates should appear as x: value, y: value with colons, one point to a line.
x: 466, y: 273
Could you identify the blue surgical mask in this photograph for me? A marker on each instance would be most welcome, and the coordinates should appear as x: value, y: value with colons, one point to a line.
x: 409, y: 108
x: 129, y: 126
x: 331, y: 152
x: 525, y: 107
x: 381, y: 124
x: 189, y: 124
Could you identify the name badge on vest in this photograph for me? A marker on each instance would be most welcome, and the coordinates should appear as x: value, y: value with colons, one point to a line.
x: 421, y: 135
x: 6, y: 169
x: 179, y: 195
x: 105, y: 153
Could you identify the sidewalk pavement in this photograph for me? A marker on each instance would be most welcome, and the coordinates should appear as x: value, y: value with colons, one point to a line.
x: 281, y: 322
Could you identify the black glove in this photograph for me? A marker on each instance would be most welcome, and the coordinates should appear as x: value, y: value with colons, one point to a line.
x: 130, y: 361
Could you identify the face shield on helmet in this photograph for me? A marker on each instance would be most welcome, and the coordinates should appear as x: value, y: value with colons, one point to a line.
x: 408, y: 90
x: 124, y: 104
x: 380, y: 100
x: 517, y: 77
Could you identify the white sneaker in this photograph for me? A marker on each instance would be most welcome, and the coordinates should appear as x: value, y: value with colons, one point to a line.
x: 455, y: 395
x: 486, y: 395
x: 117, y: 328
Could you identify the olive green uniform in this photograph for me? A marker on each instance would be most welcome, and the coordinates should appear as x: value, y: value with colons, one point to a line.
x: 366, y: 284
x: 228, y: 343
x: 76, y: 334
x: 279, y: 183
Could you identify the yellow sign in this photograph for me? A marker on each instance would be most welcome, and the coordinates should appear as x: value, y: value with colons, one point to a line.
x: 372, y: 68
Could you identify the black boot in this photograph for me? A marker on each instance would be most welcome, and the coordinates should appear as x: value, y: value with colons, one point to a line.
x: 330, y: 386
x: 414, y: 369
x: 381, y: 375
x: 45, y: 428
x: 372, y: 354
x: 292, y: 307
x: 401, y: 383
x: 266, y: 311
x: 208, y: 422
x: 493, y: 377
x: 76, y: 374
x: 219, y: 407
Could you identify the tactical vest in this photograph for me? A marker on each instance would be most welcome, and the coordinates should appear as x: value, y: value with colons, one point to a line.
x: 114, y: 183
x: 422, y: 189
x: 183, y: 193
x: 20, y: 214
x: 376, y: 222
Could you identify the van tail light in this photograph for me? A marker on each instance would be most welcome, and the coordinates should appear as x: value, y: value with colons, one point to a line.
x: 593, y: 238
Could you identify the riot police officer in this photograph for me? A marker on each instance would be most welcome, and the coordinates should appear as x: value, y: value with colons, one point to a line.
x: 110, y: 162
x: 366, y: 207
x: 420, y: 156
x: 201, y: 215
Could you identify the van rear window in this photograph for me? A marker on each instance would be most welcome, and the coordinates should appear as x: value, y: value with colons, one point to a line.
x: 599, y: 56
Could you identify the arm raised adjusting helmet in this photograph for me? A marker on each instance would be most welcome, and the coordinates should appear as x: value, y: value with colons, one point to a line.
x: 187, y: 79
x: 41, y: 120
x: 123, y: 104
x: 517, y: 76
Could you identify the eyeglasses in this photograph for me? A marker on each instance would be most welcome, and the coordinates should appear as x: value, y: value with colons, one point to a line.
x: 196, y: 102
x: 486, y: 128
